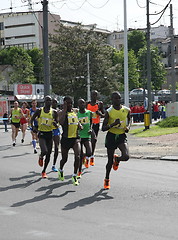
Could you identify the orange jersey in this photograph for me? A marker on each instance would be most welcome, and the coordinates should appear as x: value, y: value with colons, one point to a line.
x: 95, y: 116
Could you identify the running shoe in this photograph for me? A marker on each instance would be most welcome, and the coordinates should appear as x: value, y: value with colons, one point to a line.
x: 106, y: 184
x: 61, y: 175
x: 54, y: 169
x: 86, y: 163
x: 75, y: 181
x: 35, y: 151
x: 43, y: 174
x: 40, y: 161
x: 22, y: 141
x: 115, y: 162
x: 92, y: 163
x: 13, y: 144
x: 79, y: 175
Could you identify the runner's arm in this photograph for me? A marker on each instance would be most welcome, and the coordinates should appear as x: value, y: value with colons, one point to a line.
x: 62, y: 114
x: 35, y: 115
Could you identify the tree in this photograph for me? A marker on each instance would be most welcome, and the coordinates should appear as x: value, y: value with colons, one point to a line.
x: 136, y: 41
x: 133, y: 73
x: 21, y: 64
x: 68, y: 56
x: 37, y: 60
x: 158, y: 71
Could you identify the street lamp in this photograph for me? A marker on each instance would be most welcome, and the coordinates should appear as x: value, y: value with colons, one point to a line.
x: 126, y: 84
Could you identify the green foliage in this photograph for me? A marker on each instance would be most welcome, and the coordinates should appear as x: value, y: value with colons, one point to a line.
x: 21, y: 63
x: 158, y: 71
x: 37, y: 60
x: 168, y: 122
x: 136, y: 41
x: 133, y: 73
x: 68, y: 56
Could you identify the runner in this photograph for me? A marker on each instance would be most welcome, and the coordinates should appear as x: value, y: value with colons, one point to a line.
x: 24, y: 120
x: 117, y: 122
x: 47, y: 117
x: 85, y: 118
x: 15, y: 115
x: 34, y: 131
x: 96, y: 107
x: 56, y: 138
x: 70, y: 139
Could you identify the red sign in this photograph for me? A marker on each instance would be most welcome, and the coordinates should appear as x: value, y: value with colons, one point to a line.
x: 3, y: 107
x: 24, y: 89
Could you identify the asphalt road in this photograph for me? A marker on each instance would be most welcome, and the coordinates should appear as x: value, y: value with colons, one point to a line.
x: 141, y: 204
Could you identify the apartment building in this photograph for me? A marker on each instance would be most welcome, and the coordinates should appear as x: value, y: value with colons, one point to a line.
x: 24, y: 29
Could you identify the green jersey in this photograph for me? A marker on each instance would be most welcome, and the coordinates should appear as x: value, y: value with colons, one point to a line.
x: 84, y: 119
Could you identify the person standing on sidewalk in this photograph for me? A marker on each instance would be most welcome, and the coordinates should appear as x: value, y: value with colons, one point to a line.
x: 70, y: 139
x: 117, y: 122
x: 5, y: 121
x: 96, y: 107
x: 85, y: 118
x: 16, y: 114
x: 47, y: 118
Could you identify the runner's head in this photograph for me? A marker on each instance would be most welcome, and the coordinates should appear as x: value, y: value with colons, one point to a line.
x: 81, y: 104
x: 69, y: 102
x: 94, y: 95
x: 16, y: 104
x: 34, y: 103
x: 48, y: 101
x: 54, y: 103
x: 24, y: 104
x: 116, y: 98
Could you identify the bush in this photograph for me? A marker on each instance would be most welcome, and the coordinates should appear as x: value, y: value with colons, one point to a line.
x: 168, y: 122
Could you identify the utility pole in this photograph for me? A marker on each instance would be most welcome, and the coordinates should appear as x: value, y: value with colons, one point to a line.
x: 88, y: 78
x: 173, y: 96
x: 126, y: 84
x: 149, y: 64
x: 45, y: 49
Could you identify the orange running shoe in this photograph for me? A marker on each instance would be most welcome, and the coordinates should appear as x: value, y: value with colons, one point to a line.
x: 43, y: 174
x: 79, y: 175
x: 106, y: 184
x: 92, y: 163
x: 87, y: 163
x: 115, y: 163
x: 40, y: 161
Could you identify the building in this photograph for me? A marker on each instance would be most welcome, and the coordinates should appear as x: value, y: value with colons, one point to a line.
x: 24, y: 29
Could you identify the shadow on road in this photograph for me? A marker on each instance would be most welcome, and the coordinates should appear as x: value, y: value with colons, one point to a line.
x: 17, y: 155
x: 98, y: 196
x: 5, y: 147
x: 46, y: 195
x: 22, y: 185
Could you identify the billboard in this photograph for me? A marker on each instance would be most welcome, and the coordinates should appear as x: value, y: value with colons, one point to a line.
x: 28, y: 89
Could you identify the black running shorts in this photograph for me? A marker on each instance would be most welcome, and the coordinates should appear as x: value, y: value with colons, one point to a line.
x: 112, y: 140
x: 68, y: 143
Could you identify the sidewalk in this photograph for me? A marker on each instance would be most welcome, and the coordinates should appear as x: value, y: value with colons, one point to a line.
x: 163, y: 147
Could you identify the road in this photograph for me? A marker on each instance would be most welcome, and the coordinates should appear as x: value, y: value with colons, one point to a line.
x: 141, y: 204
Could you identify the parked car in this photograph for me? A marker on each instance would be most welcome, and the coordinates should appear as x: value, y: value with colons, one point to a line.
x: 138, y: 91
x: 164, y: 91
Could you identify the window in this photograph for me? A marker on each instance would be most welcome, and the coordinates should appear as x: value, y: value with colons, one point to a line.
x: 1, y: 26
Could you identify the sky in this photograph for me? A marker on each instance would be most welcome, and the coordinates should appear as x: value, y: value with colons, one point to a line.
x: 107, y: 14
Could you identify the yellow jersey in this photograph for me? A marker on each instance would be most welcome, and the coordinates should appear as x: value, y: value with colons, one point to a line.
x: 115, y: 114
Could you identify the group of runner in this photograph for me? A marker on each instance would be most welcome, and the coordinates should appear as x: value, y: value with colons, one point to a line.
x: 80, y: 127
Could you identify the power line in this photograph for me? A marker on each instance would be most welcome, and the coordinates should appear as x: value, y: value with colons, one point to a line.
x: 140, y: 5
x: 162, y: 12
